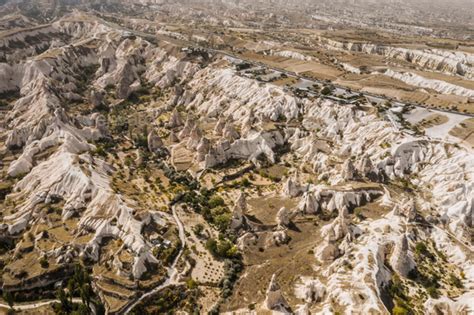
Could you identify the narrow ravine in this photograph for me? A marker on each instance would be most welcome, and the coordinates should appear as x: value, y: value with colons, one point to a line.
x: 172, y: 271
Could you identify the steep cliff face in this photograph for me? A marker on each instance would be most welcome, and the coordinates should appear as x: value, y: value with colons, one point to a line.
x: 56, y: 160
x: 170, y: 117
x: 290, y: 54
x: 17, y: 45
x: 454, y: 63
x: 437, y: 85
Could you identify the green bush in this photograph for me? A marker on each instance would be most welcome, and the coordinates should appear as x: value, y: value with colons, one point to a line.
x: 191, y: 284
x: 197, y: 229
x: 399, y: 310
x: 455, y: 281
x: 358, y: 213
x: 432, y: 292
x: 221, y: 248
x: 421, y: 249
x: 223, y: 221
x: 216, y: 201
x: 326, y: 90
x: 44, y: 262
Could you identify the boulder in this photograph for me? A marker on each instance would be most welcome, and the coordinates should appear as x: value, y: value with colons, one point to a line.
x: 400, y: 260
x: 173, y: 138
x: 188, y: 127
x: 283, y: 217
x: 309, y: 204
x: 238, y: 212
x: 274, y: 299
x: 96, y: 98
x: 348, y: 170
x: 219, y: 128
x: 279, y: 237
x: 202, y: 149
x: 194, y: 138
x: 175, y: 120
x: 409, y: 211
x: 327, y: 252
x: 229, y: 133
x: 154, y: 141
x: 292, y: 188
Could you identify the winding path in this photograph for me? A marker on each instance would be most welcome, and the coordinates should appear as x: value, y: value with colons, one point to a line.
x: 33, y: 305
x: 171, y: 280
x: 172, y: 271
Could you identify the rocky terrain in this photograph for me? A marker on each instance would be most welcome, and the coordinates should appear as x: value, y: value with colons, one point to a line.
x: 145, y: 173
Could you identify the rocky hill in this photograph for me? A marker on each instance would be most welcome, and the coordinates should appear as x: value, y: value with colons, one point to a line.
x: 147, y: 175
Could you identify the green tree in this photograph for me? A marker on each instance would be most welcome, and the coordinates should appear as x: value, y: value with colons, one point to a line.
x: 86, y: 293
x: 326, y: 90
x: 65, y: 304
x: 8, y: 297
x: 198, y: 228
x: 222, y: 221
x: 99, y: 309
x: 216, y: 201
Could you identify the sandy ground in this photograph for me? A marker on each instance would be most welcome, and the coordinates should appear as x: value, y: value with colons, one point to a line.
x: 465, y: 131
x: 442, y: 131
x: 440, y: 125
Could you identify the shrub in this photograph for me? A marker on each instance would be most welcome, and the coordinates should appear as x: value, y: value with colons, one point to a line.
x: 326, y: 90
x: 222, y: 248
x: 100, y: 151
x: 358, y: 214
x: 222, y: 221
x: 197, y: 229
x: 421, y: 249
x: 396, y: 287
x: 216, y: 201
x: 399, y: 310
x: 44, y: 262
x: 455, y: 281
x: 191, y: 284
x: 245, y: 182
x: 432, y: 292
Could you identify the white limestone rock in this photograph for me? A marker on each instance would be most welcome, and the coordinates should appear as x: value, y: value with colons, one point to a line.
x: 274, y: 299
x: 251, y: 148
x: 400, y: 260
x: 327, y: 252
x: 219, y: 128
x: 229, y: 132
x: 154, y: 141
x: 202, y: 149
x: 188, y: 127
x: 445, y: 305
x: 348, y: 170
x: 194, y: 138
x: 283, y: 217
x: 175, y: 119
x: 309, y: 203
x: 292, y: 188
x: 409, y: 211
x: 310, y: 290
x: 238, y: 211
x: 279, y: 237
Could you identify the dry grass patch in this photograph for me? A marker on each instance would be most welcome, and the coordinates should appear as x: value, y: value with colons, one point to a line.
x: 464, y: 131
x: 432, y: 120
